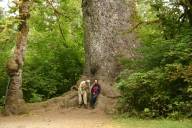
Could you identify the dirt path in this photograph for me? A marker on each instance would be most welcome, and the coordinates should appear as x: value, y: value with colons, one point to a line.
x: 65, y: 118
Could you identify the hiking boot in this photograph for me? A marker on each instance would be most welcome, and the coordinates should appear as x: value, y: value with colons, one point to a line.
x: 92, y: 107
x: 79, y: 105
x: 85, y: 106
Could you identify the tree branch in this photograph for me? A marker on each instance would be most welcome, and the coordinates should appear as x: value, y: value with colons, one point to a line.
x: 58, y: 14
x: 54, y: 9
x: 143, y: 22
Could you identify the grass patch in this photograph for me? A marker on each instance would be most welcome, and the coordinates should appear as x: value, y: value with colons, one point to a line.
x: 160, y: 123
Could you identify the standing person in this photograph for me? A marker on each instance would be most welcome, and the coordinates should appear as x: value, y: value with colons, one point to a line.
x: 82, y: 92
x: 95, y: 91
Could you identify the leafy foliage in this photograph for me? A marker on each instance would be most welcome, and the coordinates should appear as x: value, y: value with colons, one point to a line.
x: 55, y: 56
x: 160, y: 83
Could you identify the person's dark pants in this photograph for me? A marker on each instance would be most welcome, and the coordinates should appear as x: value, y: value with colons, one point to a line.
x: 93, y: 100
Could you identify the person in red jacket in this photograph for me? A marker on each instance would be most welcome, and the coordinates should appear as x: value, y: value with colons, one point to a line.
x: 95, y: 91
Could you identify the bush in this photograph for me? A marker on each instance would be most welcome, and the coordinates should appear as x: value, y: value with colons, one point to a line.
x: 2, y: 99
x: 44, y: 79
x: 159, y: 83
x: 156, y: 93
x: 35, y: 98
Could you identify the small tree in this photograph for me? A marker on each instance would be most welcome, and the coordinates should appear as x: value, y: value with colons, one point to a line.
x: 14, y: 98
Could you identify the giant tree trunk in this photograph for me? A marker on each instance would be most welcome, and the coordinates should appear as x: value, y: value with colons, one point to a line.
x: 14, y: 98
x: 108, y: 37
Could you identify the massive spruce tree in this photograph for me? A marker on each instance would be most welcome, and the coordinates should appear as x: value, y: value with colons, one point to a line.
x: 14, y: 98
x: 108, y: 36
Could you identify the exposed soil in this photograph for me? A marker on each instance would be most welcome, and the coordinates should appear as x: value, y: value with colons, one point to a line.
x: 60, y: 118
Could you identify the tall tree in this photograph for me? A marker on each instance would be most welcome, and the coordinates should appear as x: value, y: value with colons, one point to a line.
x: 107, y: 37
x: 14, y: 98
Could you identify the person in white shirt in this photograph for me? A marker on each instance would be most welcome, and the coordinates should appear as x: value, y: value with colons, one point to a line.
x: 83, y: 93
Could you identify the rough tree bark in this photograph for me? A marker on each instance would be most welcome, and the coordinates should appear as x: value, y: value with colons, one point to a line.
x: 107, y: 26
x: 14, y: 99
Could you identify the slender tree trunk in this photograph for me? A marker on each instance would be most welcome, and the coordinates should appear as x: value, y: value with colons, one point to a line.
x: 107, y: 26
x: 14, y: 98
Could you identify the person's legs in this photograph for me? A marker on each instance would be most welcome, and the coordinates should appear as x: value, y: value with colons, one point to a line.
x: 93, y: 100
x: 80, y: 99
x: 85, y: 98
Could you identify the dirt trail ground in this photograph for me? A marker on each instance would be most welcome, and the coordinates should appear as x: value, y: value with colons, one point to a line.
x: 64, y: 118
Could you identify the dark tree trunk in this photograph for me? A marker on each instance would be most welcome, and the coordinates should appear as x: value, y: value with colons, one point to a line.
x: 107, y: 26
x: 14, y: 98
